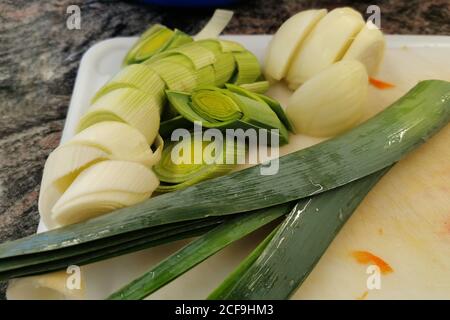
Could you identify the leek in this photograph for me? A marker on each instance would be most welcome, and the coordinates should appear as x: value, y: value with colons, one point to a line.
x: 92, y: 145
x: 228, y: 284
x: 374, y: 145
x: 138, y: 76
x: 257, y: 87
x: 127, y: 105
x: 298, y: 244
x: 225, y: 108
x: 156, y: 39
x: 197, y: 251
x: 195, y: 165
x: 215, y: 25
x: 247, y: 68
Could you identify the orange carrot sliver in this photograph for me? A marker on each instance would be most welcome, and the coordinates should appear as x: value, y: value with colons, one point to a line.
x: 380, y: 84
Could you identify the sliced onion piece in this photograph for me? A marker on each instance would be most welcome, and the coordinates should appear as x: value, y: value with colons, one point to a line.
x: 104, y: 187
x: 331, y: 102
x: 287, y: 40
x: 326, y: 44
x: 368, y: 48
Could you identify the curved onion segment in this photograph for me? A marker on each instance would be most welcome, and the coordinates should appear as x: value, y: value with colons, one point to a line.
x: 50, y: 286
x: 368, y: 48
x: 326, y: 44
x: 102, y: 141
x: 104, y: 187
x: 331, y: 102
x: 287, y: 40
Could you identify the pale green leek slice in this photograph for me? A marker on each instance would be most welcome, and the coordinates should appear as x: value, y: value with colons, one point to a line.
x: 148, y: 44
x: 138, y: 76
x: 156, y: 39
x: 224, y: 65
x: 128, y: 105
x: 222, y: 108
x: 176, y: 75
x: 248, y: 69
x: 257, y: 87
x: 205, y: 76
x: 191, y: 160
x: 198, y: 55
x: 272, y: 103
x: 231, y: 46
x: 178, y: 39
x: 215, y: 25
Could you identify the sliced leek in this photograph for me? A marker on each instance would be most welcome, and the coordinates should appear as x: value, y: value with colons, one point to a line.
x: 175, y: 71
x: 224, y: 65
x: 215, y: 25
x: 257, y: 87
x: 138, y: 76
x: 331, y: 102
x: 156, y: 39
x: 233, y: 107
x: 192, y: 160
x: 248, y: 69
x: 96, y: 143
x: 128, y: 105
x: 326, y: 44
x: 374, y: 145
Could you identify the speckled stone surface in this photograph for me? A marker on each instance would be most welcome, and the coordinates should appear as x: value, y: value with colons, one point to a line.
x: 39, y: 58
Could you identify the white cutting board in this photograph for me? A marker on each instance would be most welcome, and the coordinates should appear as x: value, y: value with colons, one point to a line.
x: 405, y: 220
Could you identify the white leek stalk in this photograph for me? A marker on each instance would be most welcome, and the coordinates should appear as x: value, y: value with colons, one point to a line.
x: 50, y: 286
x: 102, y: 141
x: 368, y: 48
x: 287, y: 41
x: 325, y: 45
x: 129, y: 105
x: 331, y: 102
x: 215, y: 25
x: 104, y: 187
x: 138, y: 76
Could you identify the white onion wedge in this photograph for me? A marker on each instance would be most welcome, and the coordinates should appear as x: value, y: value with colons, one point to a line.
x: 368, y: 48
x: 287, y: 40
x: 104, y: 187
x: 326, y: 44
x: 331, y: 102
x: 50, y: 286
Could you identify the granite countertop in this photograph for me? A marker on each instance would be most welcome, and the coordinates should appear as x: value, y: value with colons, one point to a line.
x: 39, y: 57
